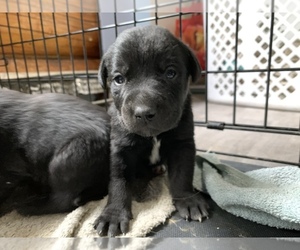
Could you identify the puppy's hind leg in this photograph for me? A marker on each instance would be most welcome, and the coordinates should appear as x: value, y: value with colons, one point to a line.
x: 78, y: 173
x: 54, y: 203
x: 36, y: 199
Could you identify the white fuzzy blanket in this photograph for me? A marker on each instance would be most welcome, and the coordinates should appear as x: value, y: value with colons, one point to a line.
x: 79, y: 223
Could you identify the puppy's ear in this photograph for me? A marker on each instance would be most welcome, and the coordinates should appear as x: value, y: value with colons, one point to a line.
x: 194, y: 67
x: 102, y: 73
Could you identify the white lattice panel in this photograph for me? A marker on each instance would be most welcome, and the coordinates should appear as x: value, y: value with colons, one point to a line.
x: 253, y: 52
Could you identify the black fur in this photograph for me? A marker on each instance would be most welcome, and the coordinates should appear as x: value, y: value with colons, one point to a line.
x: 54, y: 152
x: 150, y: 101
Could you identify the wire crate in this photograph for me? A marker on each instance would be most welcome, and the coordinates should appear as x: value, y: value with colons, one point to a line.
x: 250, y: 60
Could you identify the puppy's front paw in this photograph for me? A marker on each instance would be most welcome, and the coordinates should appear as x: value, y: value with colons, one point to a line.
x: 113, y: 221
x: 192, y: 206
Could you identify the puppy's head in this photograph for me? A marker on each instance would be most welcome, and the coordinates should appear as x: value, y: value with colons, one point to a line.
x: 148, y: 71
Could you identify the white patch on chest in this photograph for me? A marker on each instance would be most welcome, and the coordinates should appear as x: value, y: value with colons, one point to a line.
x: 155, y: 157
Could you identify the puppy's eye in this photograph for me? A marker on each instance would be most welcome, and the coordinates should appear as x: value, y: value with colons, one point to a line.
x: 119, y: 79
x: 170, y: 73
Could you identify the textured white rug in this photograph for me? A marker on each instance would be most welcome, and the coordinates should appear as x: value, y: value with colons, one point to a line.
x: 79, y: 223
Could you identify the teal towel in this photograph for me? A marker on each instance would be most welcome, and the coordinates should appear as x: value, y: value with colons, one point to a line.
x: 269, y: 196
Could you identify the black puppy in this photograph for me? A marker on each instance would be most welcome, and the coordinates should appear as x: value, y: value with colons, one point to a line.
x: 149, y: 71
x: 54, y: 152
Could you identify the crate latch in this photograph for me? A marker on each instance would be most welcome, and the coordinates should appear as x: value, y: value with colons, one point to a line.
x: 216, y: 125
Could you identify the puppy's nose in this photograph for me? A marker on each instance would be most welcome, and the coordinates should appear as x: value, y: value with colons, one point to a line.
x: 144, y: 113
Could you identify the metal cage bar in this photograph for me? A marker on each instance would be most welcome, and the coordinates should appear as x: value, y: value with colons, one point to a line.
x: 45, y: 49
x: 57, y: 52
x: 235, y: 60
x: 23, y: 50
x: 269, y: 64
x: 70, y: 44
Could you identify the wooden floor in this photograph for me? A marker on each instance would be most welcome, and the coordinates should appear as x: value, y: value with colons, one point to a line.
x: 263, y: 145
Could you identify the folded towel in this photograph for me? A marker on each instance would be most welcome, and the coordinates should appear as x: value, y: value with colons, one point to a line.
x: 269, y: 196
